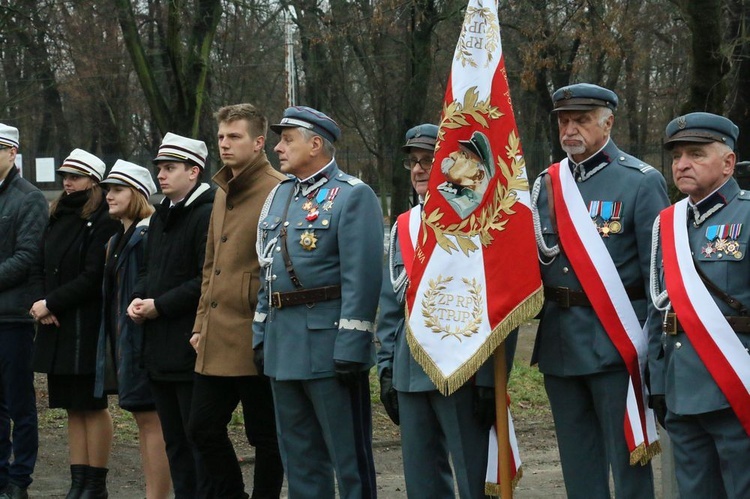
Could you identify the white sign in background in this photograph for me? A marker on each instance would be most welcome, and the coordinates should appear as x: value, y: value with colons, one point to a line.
x: 45, y: 169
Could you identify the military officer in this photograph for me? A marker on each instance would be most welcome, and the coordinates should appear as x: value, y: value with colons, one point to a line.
x: 435, y: 429
x: 585, y: 374
x: 705, y: 298
x: 319, y: 234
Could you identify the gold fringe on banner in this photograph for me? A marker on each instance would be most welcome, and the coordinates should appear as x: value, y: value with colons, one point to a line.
x: 493, y: 489
x: 642, y: 455
x: 447, y: 385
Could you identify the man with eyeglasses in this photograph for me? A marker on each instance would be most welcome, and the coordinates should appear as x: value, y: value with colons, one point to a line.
x: 435, y: 429
x: 23, y: 217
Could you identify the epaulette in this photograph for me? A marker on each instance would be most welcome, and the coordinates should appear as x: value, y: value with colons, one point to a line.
x: 635, y: 163
x: 743, y: 194
x: 349, y: 179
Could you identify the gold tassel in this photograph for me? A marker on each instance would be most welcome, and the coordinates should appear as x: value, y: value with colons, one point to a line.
x: 493, y: 489
x: 642, y: 454
x: 447, y: 385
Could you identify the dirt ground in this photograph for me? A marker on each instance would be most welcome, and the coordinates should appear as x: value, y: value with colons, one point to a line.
x: 542, y: 477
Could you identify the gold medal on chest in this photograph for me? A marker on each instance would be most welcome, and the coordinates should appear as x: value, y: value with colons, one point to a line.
x: 307, y: 240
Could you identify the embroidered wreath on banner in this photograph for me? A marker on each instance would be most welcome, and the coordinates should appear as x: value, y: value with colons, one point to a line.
x: 494, y: 214
x: 464, y: 50
x: 429, y: 308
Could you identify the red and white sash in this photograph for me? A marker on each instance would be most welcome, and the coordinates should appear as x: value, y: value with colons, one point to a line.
x: 712, y: 337
x: 602, y: 284
x: 408, y: 228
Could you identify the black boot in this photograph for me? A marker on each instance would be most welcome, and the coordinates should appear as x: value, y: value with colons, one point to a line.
x: 96, y: 484
x: 77, y: 480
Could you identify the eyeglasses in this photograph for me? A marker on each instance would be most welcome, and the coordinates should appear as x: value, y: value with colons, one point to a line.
x: 424, y: 163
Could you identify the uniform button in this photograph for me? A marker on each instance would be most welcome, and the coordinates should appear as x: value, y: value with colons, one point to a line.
x: 217, y: 272
x: 720, y: 255
x: 335, y: 323
x: 324, y: 222
x: 622, y: 158
x: 678, y: 345
x: 299, y: 224
x: 309, y: 225
x: 566, y: 270
x: 286, y: 224
x: 273, y: 277
x: 223, y: 239
x: 214, y: 304
x: 230, y: 207
x: 278, y: 248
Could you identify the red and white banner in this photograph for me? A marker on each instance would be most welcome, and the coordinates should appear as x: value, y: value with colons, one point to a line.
x: 716, y: 343
x: 602, y: 284
x: 475, y: 274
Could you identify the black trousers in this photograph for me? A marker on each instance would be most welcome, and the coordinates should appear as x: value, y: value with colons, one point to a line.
x: 17, y: 404
x: 214, y: 400
x: 190, y: 478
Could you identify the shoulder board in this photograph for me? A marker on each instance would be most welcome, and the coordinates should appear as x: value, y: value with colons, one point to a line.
x: 744, y: 194
x: 635, y: 163
x: 349, y: 179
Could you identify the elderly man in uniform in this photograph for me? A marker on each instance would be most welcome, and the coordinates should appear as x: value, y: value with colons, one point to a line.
x: 435, y: 429
x: 585, y: 374
x: 319, y: 238
x: 23, y: 217
x: 700, y: 366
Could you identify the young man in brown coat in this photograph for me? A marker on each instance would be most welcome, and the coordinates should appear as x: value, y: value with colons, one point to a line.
x: 222, y: 334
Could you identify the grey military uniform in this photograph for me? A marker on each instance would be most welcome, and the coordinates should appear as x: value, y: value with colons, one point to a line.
x: 322, y: 424
x: 712, y: 449
x: 433, y: 426
x: 585, y: 377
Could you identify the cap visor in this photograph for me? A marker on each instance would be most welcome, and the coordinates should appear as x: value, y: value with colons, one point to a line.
x: 74, y: 171
x: 418, y: 145
x: 575, y: 107
x: 115, y: 181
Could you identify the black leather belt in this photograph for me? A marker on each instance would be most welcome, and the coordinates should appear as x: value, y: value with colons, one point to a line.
x: 313, y: 295
x: 566, y: 297
x: 740, y: 324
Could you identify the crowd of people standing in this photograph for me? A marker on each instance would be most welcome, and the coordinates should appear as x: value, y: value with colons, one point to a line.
x: 260, y: 289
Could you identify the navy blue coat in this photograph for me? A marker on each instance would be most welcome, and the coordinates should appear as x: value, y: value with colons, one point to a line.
x: 119, y: 356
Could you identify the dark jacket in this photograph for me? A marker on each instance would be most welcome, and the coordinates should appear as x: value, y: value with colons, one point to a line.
x: 23, y: 216
x: 172, y: 277
x: 73, y: 264
x: 119, y: 357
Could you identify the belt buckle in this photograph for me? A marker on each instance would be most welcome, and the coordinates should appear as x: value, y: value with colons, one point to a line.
x: 670, y: 323
x: 276, y: 299
x: 564, y: 297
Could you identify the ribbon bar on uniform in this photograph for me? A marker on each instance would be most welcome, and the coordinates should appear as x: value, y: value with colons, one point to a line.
x: 313, y: 295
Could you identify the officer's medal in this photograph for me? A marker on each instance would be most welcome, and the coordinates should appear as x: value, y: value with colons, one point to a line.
x: 307, y: 240
x: 609, y: 214
x: 723, y: 240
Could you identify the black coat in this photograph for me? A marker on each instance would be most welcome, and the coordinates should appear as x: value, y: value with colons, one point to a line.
x: 23, y: 216
x: 172, y: 276
x: 73, y: 266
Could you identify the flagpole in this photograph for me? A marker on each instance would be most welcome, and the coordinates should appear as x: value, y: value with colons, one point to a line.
x: 501, y: 423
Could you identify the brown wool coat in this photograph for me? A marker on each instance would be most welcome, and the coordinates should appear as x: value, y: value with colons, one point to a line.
x: 229, y: 291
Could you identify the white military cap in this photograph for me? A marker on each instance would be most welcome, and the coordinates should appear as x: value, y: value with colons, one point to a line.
x: 81, y: 162
x: 8, y: 136
x: 178, y: 148
x: 132, y: 175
